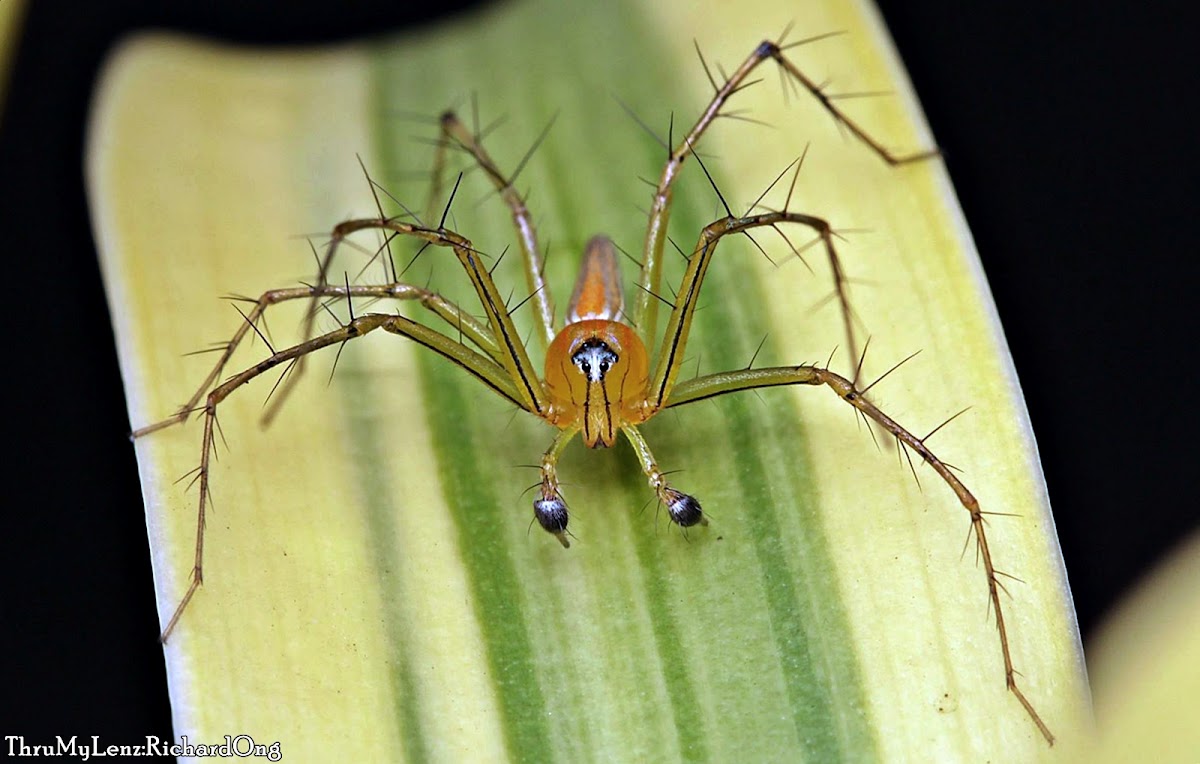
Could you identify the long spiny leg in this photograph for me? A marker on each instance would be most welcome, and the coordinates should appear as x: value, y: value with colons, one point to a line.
x: 712, y: 385
x: 670, y: 357
x: 509, y: 350
x: 456, y: 134
x: 683, y: 508
x: 509, y: 373
x: 646, y: 312
x: 481, y: 366
x: 465, y: 324
x: 686, y: 298
x: 381, y: 253
x: 308, y: 324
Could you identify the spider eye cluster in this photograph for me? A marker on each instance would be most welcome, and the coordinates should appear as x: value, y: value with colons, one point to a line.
x: 594, y: 358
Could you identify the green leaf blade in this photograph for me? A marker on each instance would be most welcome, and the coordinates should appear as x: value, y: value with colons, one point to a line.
x: 825, y: 613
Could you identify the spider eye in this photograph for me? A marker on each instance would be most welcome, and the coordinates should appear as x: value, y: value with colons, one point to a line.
x: 594, y: 358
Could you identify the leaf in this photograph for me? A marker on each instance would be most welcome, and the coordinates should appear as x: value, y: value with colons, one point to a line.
x: 1146, y: 664
x: 372, y: 586
x: 10, y: 22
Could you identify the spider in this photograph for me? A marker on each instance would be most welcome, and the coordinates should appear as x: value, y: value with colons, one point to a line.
x: 602, y: 377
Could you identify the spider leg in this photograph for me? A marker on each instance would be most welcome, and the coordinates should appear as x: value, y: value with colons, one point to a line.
x: 455, y: 132
x: 510, y: 350
x: 513, y: 355
x: 506, y: 369
x: 324, y: 267
x: 683, y: 509
x: 467, y: 326
x: 646, y: 312
x: 670, y: 357
x: 482, y: 367
x: 712, y: 385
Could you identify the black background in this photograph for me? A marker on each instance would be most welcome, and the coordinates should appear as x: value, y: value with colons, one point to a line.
x: 1067, y: 128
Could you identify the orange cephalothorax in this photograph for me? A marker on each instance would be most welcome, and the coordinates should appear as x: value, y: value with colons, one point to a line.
x: 597, y: 373
x: 596, y: 376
